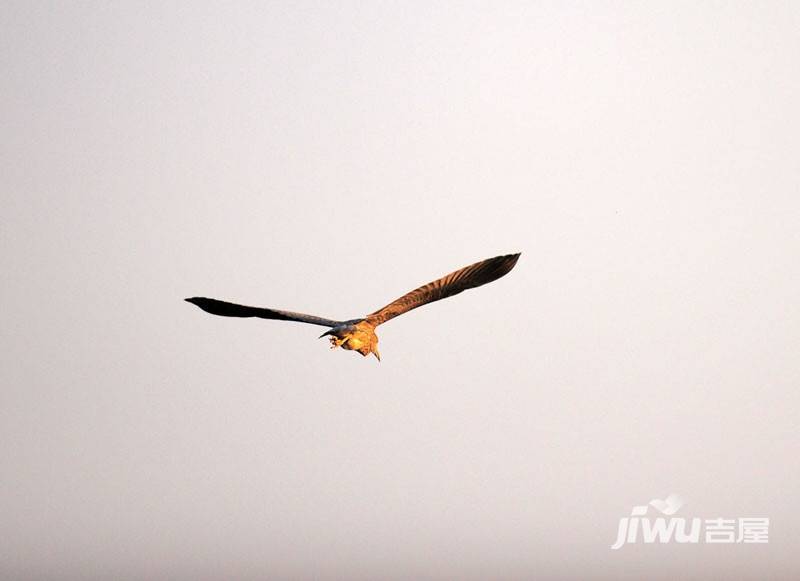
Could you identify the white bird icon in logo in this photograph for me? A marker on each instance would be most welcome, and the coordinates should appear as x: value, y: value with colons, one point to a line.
x: 668, y: 506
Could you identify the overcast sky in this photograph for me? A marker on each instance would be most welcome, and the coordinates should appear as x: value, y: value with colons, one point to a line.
x: 328, y: 157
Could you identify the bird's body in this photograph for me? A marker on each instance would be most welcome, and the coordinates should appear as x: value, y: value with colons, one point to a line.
x: 359, y: 334
x: 359, y: 337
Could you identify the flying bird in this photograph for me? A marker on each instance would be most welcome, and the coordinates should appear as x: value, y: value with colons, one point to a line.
x: 359, y: 334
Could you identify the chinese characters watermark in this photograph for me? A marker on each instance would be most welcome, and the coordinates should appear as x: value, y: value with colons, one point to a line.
x: 683, y: 530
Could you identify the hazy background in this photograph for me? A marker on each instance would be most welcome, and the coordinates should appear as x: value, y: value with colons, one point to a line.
x: 328, y: 158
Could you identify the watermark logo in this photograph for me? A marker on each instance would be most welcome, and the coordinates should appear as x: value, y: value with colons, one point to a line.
x: 686, y: 530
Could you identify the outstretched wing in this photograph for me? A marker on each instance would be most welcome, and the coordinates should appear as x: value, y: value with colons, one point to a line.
x: 224, y: 309
x: 468, y: 277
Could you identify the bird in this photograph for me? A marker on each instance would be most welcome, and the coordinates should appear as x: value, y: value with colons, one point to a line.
x: 359, y: 334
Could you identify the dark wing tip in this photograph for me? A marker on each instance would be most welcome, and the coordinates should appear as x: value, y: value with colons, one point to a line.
x: 214, y: 306
x: 504, y: 263
x: 201, y: 302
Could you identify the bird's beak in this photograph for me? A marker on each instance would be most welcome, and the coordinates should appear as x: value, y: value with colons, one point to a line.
x: 376, y: 354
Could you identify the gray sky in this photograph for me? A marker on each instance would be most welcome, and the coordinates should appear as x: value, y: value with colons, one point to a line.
x: 328, y: 158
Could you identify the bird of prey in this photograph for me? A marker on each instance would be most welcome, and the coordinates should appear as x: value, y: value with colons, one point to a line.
x: 359, y: 334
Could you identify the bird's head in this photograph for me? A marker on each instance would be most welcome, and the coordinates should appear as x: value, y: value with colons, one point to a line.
x: 354, y: 336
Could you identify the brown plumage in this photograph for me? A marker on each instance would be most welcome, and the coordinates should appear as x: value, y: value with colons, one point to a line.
x: 359, y: 334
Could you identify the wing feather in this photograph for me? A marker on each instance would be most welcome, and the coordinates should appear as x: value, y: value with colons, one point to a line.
x: 468, y: 277
x: 226, y: 309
